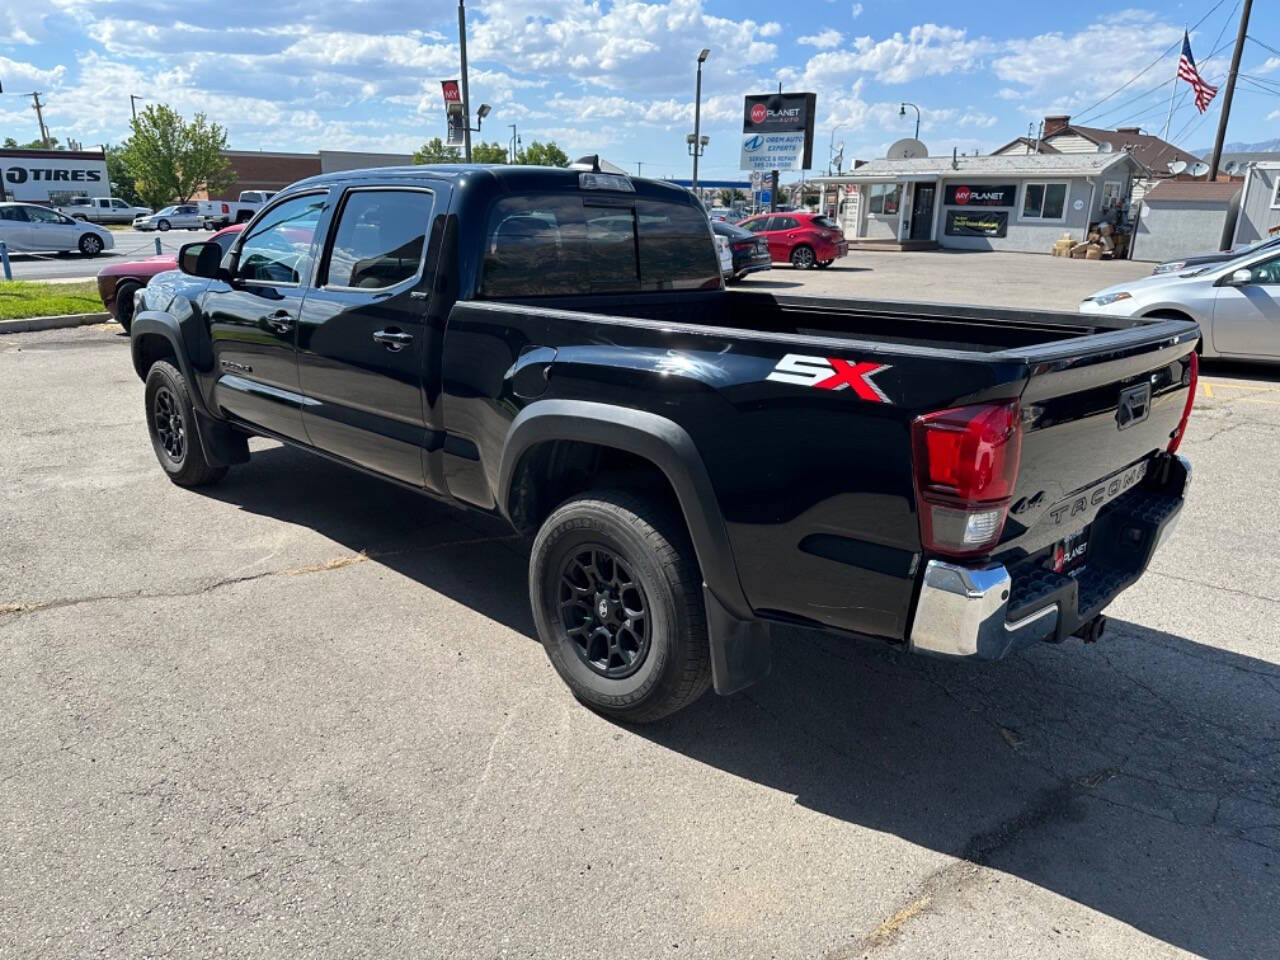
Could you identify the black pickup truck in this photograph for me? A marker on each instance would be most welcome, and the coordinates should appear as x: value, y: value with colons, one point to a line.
x: 694, y: 465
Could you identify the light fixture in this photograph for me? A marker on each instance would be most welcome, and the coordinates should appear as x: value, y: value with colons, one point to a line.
x: 690, y: 138
x: 702, y: 57
x: 483, y: 111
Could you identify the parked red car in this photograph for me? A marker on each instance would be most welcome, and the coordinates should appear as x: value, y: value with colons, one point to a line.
x: 117, y: 282
x: 804, y: 240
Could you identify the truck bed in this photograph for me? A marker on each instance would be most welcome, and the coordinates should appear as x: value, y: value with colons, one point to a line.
x: 904, y: 323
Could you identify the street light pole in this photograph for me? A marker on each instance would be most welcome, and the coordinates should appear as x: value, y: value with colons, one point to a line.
x: 513, y: 142
x: 466, y: 101
x: 697, y: 118
x: 902, y: 112
x: 133, y: 104
x: 831, y: 146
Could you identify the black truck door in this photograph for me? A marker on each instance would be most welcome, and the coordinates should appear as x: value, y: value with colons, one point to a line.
x: 362, y: 333
x: 253, y: 318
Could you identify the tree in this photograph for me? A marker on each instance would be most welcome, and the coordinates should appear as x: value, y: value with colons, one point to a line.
x: 12, y: 144
x: 488, y: 153
x: 170, y: 159
x: 120, y: 176
x: 434, y: 151
x: 544, y: 155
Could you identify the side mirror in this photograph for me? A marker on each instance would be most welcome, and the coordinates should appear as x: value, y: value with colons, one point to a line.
x: 200, y: 259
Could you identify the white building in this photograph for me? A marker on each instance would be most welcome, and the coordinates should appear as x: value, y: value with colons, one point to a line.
x: 1010, y: 202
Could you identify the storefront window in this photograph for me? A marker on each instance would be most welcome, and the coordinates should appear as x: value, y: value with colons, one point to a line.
x: 885, y: 198
x: 1044, y: 201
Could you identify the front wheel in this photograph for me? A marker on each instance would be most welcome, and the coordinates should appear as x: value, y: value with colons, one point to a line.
x: 617, y: 601
x: 162, y: 226
x: 171, y: 421
x: 90, y: 245
x: 802, y: 258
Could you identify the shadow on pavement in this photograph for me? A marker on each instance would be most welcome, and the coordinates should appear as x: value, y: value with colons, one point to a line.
x: 1241, y: 370
x: 1139, y: 777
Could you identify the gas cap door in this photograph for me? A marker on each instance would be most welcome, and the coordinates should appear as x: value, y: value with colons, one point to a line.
x: 531, y: 371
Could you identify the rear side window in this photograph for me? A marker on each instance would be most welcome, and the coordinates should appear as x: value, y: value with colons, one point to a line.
x: 565, y: 244
x: 380, y: 238
x: 826, y: 223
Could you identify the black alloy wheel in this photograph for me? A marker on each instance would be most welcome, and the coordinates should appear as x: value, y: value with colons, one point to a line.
x: 170, y: 424
x: 604, y: 611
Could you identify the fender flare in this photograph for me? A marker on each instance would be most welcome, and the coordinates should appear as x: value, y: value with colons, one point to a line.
x: 662, y: 442
x: 222, y: 445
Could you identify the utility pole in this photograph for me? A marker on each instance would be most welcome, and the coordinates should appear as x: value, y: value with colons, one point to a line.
x: 38, y: 107
x: 466, y: 100
x: 1230, y: 92
x: 640, y: 167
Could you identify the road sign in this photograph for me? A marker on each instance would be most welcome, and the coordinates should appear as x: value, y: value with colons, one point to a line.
x: 766, y: 196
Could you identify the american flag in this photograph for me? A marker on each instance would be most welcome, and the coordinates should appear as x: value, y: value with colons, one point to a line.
x: 1187, y: 71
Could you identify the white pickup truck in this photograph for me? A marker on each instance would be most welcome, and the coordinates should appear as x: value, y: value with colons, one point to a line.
x: 220, y: 213
x: 101, y: 210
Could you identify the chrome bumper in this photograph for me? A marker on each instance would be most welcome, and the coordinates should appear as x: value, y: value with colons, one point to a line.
x: 963, y: 611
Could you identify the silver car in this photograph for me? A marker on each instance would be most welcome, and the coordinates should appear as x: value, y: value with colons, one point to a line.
x: 182, y: 216
x: 1236, y: 303
x: 31, y: 228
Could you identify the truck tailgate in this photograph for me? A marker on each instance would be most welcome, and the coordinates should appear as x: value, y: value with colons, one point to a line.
x: 1094, y: 412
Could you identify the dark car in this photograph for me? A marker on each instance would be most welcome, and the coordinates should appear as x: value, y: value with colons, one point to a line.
x: 1218, y: 256
x: 750, y: 251
x: 693, y: 465
x: 118, y: 282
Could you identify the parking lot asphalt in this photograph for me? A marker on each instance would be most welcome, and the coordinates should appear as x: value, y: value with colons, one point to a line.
x: 129, y: 245
x: 303, y: 713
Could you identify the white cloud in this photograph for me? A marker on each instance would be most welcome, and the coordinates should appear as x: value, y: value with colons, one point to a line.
x: 18, y: 74
x: 857, y: 10
x: 828, y: 38
x: 1269, y: 66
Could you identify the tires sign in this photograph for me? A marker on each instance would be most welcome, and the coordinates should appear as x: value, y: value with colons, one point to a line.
x: 777, y: 131
x: 30, y: 175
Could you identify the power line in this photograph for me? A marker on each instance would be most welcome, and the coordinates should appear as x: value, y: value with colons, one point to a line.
x: 1169, y: 49
x: 1265, y: 46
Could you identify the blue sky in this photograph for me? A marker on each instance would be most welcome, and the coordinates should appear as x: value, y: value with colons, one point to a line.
x: 618, y: 77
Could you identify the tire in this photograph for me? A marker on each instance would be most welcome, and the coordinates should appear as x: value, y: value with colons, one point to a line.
x: 802, y: 258
x: 636, y: 669
x: 124, y: 304
x: 90, y: 245
x: 171, y: 422
x: 162, y: 226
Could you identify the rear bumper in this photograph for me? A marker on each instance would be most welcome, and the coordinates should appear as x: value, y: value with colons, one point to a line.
x: 984, y: 612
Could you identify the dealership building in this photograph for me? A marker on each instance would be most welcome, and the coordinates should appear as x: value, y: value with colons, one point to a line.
x: 1019, y: 202
x: 53, y: 176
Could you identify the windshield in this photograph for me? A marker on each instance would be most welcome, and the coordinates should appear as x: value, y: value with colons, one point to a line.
x: 826, y: 222
x: 730, y: 230
x: 168, y: 210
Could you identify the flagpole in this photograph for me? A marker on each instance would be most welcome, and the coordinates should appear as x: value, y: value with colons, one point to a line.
x: 1173, y: 91
x: 1230, y: 91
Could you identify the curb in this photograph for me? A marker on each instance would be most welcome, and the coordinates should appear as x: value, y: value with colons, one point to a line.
x: 28, y: 324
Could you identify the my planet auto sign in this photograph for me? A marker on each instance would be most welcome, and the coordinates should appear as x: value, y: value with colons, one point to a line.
x: 777, y: 131
x: 980, y: 195
x: 35, y: 175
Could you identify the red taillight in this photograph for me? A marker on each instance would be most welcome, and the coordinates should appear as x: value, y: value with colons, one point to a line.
x: 966, y: 466
x: 1176, y: 439
x: 742, y: 246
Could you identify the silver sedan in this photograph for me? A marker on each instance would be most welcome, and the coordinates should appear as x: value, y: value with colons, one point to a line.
x: 182, y: 216
x: 1236, y: 303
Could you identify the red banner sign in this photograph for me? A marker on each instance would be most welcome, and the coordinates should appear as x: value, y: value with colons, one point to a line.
x: 451, y: 92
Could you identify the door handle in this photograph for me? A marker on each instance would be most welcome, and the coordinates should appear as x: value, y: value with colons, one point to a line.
x: 393, y: 339
x: 281, y: 321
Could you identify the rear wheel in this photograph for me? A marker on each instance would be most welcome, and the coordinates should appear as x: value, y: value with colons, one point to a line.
x: 802, y: 258
x: 124, y: 304
x: 90, y: 245
x: 616, y: 597
x: 171, y: 421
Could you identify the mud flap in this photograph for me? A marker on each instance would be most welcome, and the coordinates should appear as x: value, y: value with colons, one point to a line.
x: 741, y: 650
x: 222, y: 444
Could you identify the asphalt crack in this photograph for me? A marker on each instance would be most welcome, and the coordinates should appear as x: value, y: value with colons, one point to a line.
x: 13, y: 610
